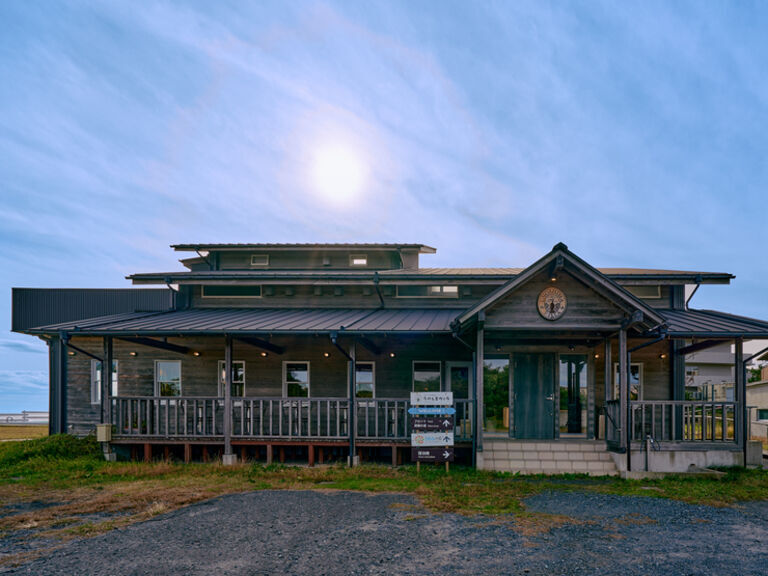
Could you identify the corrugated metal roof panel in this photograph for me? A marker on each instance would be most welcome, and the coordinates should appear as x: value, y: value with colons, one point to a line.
x: 712, y: 323
x: 234, y: 320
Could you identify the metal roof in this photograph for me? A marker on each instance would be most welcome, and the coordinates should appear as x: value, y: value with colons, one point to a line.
x: 710, y: 323
x: 233, y: 320
x: 460, y: 274
x: 423, y: 248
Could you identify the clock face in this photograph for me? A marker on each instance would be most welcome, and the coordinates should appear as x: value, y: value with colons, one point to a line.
x: 552, y: 303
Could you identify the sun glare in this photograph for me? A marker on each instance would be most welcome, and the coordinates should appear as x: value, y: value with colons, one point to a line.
x: 338, y: 173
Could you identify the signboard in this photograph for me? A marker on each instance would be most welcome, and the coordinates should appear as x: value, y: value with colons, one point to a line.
x: 431, y: 439
x: 432, y: 423
x: 431, y: 398
x: 437, y: 410
x: 432, y: 454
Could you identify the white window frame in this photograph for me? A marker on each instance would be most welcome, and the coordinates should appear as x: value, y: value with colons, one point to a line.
x: 413, y: 373
x: 181, y: 379
x: 373, y: 373
x: 431, y: 292
x: 285, y: 374
x: 256, y: 263
x: 358, y: 260
x: 96, y: 381
x: 221, y: 381
x: 640, y: 379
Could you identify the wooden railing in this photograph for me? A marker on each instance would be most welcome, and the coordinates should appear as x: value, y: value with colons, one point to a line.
x: 167, y: 417
x: 278, y: 418
x: 290, y: 418
x: 683, y: 421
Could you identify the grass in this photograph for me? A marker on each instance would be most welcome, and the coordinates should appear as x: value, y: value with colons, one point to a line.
x: 22, y: 431
x: 62, y: 488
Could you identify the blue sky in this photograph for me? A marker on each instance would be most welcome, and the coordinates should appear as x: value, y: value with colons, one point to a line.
x: 633, y: 132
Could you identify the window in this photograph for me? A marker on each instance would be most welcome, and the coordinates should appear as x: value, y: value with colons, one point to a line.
x: 168, y: 378
x: 365, y: 380
x: 649, y: 292
x: 238, y: 378
x: 96, y: 381
x: 407, y: 291
x: 231, y: 291
x: 635, y: 381
x: 260, y: 260
x: 296, y: 379
x: 426, y: 376
x: 358, y: 260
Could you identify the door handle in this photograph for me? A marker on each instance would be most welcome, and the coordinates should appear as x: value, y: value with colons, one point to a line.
x: 550, y: 397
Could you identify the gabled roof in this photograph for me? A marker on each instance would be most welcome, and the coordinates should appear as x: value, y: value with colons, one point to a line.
x: 422, y: 248
x: 599, y: 282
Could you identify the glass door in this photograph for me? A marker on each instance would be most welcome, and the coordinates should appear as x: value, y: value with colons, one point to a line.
x: 573, y: 394
x: 496, y: 395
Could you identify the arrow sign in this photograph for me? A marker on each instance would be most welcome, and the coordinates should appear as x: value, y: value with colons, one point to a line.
x: 432, y: 454
x: 438, y: 411
x: 431, y: 439
x: 432, y: 423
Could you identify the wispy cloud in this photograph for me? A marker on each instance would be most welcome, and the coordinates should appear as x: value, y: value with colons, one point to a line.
x: 23, y: 390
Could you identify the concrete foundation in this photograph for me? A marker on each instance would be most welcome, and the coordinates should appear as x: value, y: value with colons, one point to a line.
x: 676, y: 461
x: 229, y: 459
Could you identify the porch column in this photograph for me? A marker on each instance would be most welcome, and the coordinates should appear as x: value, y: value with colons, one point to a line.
x: 623, y: 390
x: 479, y: 404
x: 608, y: 373
x: 228, y: 458
x: 57, y: 356
x: 740, y: 423
x: 678, y: 384
x: 106, y: 381
x: 352, y: 404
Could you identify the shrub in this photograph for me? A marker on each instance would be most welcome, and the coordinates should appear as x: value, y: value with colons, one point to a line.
x: 56, y: 447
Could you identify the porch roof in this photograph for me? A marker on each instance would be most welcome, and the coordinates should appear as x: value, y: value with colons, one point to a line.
x: 289, y: 320
x: 711, y: 323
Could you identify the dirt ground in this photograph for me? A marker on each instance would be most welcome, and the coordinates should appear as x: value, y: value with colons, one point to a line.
x: 336, y: 532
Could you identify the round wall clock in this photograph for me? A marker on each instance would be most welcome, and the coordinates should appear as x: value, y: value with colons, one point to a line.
x: 552, y: 303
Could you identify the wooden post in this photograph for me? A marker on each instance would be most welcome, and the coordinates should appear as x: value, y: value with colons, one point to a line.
x: 352, y: 404
x: 320, y: 455
x: 205, y: 453
x: 147, y: 452
x: 394, y: 456
x: 228, y: 395
x: 479, y: 377
x: 106, y: 381
x: 166, y: 453
x: 282, y: 454
x: 311, y: 455
x: 624, y: 393
x: 243, y: 453
x: 187, y: 452
x: 740, y: 423
x: 418, y: 467
x: 269, y: 454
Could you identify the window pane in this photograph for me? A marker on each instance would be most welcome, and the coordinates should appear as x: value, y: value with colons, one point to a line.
x: 238, y: 378
x: 297, y: 379
x: 364, y: 380
x: 426, y: 376
x: 169, y: 378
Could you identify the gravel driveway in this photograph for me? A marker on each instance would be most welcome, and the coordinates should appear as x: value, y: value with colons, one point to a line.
x: 271, y: 532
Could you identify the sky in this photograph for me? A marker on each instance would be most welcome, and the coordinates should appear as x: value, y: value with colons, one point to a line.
x: 634, y: 132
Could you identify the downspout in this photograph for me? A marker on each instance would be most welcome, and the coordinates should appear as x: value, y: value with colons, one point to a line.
x: 334, y: 339
x: 698, y: 283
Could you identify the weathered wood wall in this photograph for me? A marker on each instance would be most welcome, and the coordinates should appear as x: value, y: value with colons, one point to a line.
x: 263, y: 375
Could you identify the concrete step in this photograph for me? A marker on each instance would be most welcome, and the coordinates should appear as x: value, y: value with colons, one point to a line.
x: 547, y: 457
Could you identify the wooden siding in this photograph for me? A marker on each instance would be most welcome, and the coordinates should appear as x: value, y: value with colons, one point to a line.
x: 585, y: 307
x: 263, y: 375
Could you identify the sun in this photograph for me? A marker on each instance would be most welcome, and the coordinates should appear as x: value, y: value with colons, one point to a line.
x: 338, y: 173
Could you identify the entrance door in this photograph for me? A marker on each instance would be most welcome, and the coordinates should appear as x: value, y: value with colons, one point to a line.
x: 534, y: 395
x: 459, y: 381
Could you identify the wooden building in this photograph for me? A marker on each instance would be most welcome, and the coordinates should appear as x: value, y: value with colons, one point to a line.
x: 311, y: 350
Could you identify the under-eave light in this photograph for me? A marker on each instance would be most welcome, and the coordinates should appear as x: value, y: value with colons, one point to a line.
x: 133, y: 353
x: 392, y: 354
x: 264, y: 354
x: 195, y: 353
